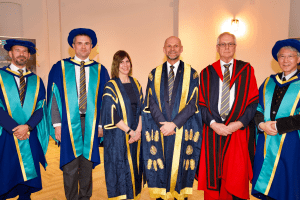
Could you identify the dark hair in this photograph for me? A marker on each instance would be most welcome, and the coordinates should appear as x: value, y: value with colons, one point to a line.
x: 117, y: 59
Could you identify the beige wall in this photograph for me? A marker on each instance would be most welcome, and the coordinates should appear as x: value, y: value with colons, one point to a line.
x: 200, y: 23
x: 141, y: 26
x: 34, y: 14
x: 294, y: 25
x: 136, y: 26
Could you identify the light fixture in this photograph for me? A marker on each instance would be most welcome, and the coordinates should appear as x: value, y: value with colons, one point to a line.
x: 234, y: 25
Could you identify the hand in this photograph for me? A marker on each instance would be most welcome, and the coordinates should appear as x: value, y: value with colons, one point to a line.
x: 58, y: 133
x: 234, y: 126
x: 167, y: 128
x: 21, y: 132
x: 220, y: 129
x: 100, y: 132
x: 268, y: 127
x: 132, y: 135
x: 138, y: 135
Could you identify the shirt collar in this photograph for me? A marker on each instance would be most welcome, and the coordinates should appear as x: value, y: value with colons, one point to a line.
x: 223, y: 63
x: 176, y: 65
x: 15, y: 68
x: 78, y: 59
x: 289, y: 76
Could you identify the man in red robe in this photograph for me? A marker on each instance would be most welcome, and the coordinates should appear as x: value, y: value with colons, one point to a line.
x: 228, y: 100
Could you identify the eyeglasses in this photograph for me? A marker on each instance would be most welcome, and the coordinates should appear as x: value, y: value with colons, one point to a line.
x: 289, y: 57
x: 223, y: 45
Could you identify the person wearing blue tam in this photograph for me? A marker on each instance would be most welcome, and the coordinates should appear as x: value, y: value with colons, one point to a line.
x: 75, y: 88
x: 276, y: 173
x: 23, y: 129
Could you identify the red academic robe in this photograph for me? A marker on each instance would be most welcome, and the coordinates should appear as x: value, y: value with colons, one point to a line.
x: 227, y: 159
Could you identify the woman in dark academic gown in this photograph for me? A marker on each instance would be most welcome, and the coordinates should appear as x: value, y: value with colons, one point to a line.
x: 122, y: 125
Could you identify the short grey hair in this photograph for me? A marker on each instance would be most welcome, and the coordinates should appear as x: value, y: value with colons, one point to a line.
x: 226, y: 33
x: 290, y: 48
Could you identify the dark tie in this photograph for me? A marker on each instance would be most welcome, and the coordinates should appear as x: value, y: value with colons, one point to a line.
x: 225, y: 92
x: 22, y: 86
x: 171, y: 82
x: 82, y: 96
x: 283, y: 79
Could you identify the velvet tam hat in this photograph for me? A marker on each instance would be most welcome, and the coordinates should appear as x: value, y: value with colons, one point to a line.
x: 86, y: 31
x: 12, y: 42
x: 283, y: 43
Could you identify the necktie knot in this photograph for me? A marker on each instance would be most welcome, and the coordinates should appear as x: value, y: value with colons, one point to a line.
x: 20, y: 71
x: 227, y: 65
x: 82, y: 63
x: 172, y: 67
x: 283, y: 79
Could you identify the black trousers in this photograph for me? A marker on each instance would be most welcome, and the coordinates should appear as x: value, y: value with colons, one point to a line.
x: 78, y: 170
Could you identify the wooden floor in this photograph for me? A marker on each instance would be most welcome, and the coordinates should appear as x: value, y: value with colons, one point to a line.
x: 53, y: 188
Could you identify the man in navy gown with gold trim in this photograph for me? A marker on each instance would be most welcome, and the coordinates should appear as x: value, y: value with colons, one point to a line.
x: 172, y: 126
x: 75, y: 88
x: 277, y: 159
x: 23, y: 128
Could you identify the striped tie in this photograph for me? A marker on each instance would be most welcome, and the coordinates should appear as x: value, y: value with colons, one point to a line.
x: 82, y: 96
x: 22, y: 86
x: 225, y: 92
x: 171, y: 82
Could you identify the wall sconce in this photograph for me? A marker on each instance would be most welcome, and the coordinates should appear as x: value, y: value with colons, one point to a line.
x: 234, y: 25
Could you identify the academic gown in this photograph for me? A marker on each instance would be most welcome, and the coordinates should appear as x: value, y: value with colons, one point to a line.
x: 227, y: 158
x: 171, y: 161
x: 20, y: 159
x: 62, y: 83
x: 277, y: 159
x: 122, y: 161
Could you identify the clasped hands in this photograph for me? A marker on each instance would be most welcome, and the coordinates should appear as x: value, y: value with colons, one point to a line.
x: 21, y: 132
x: 224, y: 130
x: 269, y: 127
x: 134, y: 136
x: 167, y: 128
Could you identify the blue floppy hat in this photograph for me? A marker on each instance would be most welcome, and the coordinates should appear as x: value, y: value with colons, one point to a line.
x: 12, y: 42
x: 283, y: 43
x: 86, y: 31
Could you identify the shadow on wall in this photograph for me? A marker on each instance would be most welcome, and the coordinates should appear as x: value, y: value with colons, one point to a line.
x: 275, y: 66
x: 93, y: 53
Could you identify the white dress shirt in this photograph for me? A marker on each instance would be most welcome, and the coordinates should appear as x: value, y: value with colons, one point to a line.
x: 15, y: 69
x: 176, y: 65
x: 77, y: 74
x: 287, y: 77
x: 232, y: 90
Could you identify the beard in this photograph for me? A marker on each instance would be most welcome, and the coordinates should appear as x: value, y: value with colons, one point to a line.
x: 174, y: 58
x: 21, y: 60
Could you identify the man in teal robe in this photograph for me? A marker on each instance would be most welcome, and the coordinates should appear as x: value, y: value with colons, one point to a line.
x: 75, y: 88
x: 23, y: 131
x: 276, y: 173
